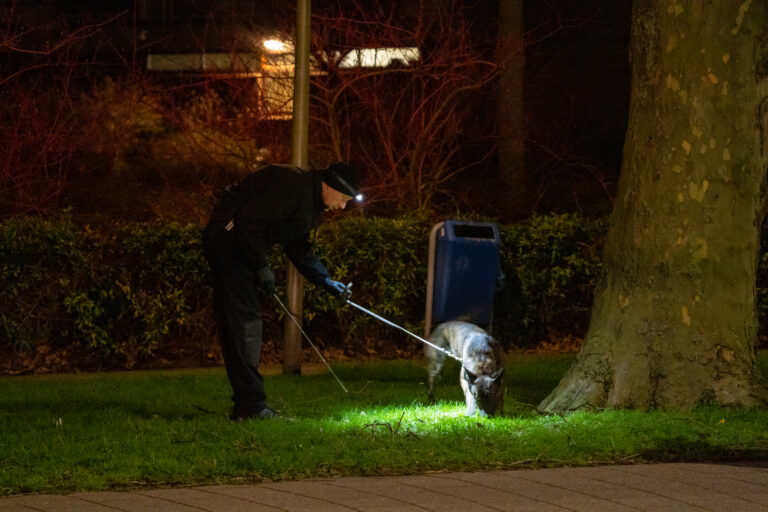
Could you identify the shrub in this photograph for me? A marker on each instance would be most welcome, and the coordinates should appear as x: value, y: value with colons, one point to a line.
x: 125, y: 294
x: 552, y: 264
x: 164, y: 276
x: 114, y: 294
x: 39, y: 261
x: 385, y: 259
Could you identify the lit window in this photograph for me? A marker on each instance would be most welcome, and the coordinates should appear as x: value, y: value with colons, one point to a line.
x: 379, y: 57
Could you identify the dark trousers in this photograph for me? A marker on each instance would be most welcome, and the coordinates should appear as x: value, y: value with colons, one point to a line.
x: 238, y: 317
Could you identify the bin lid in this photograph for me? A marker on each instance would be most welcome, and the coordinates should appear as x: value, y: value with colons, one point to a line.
x: 476, y: 231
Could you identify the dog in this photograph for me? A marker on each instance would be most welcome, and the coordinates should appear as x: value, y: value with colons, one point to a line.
x: 482, y: 367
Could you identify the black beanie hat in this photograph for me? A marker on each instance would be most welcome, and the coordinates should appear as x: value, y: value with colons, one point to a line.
x: 342, y: 177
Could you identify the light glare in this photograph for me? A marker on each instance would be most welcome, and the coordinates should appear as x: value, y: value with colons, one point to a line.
x: 274, y: 45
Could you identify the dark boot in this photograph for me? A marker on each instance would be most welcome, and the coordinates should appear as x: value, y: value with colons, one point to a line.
x: 263, y: 414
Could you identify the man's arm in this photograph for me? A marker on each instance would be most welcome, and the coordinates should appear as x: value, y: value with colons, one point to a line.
x: 303, y: 258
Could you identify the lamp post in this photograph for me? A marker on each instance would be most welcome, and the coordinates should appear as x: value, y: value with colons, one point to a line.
x: 299, y: 158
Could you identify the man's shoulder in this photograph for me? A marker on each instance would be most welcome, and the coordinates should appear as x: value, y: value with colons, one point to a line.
x: 283, y: 182
x: 292, y: 169
x: 271, y: 169
x: 269, y: 174
x: 282, y: 172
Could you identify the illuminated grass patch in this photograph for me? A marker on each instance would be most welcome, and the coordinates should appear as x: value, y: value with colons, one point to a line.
x: 120, y: 430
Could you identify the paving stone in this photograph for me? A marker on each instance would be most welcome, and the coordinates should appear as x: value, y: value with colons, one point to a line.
x: 499, y: 499
x: 202, y: 499
x: 9, y: 505
x: 649, y: 487
x: 383, y: 487
x: 133, y: 502
x: 756, y: 479
x: 52, y: 503
x: 742, y: 472
x: 589, y: 482
x: 518, y: 483
x: 702, y: 496
x: 281, y: 500
x: 721, y: 485
x: 327, y: 490
x: 416, y: 495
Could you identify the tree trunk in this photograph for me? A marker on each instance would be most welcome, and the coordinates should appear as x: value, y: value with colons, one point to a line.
x: 511, y: 119
x: 674, y: 321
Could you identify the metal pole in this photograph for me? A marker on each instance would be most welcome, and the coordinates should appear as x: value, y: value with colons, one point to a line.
x: 430, y: 280
x: 299, y: 158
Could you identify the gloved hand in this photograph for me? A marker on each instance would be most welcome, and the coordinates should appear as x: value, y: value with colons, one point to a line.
x: 265, y: 280
x: 337, y: 288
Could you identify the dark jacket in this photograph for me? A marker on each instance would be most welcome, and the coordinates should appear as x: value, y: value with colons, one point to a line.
x: 276, y: 204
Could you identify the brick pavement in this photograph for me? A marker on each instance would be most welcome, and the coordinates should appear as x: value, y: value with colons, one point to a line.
x: 644, y: 487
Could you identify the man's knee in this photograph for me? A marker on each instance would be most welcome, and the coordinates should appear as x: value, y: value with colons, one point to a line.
x: 251, y: 342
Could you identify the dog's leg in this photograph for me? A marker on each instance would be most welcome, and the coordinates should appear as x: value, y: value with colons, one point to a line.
x: 436, y: 360
x: 469, y: 398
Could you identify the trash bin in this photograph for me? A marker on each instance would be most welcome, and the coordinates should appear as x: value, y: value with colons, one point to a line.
x: 462, y: 270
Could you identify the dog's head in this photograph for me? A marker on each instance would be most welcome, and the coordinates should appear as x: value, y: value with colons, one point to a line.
x: 488, y: 391
x: 481, y: 354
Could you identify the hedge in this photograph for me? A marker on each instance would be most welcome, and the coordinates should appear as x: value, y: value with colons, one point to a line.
x: 112, y: 294
x: 130, y: 291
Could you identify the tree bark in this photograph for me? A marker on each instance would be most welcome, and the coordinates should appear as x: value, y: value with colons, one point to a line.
x: 511, y: 118
x: 674, y: 322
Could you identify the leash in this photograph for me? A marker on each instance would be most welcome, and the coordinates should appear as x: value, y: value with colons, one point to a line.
x: 377, y: 317
x: 293, y: 317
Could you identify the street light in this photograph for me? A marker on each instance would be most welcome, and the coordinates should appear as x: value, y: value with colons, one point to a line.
x: 276, y: 45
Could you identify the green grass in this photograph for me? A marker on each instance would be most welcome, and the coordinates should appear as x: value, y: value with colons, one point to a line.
x: 119, y: 430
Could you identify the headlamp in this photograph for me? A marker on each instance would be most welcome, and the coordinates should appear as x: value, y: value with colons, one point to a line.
x: 347, y: 188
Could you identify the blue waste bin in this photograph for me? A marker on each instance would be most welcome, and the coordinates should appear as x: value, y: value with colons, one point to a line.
x: 462, y: 273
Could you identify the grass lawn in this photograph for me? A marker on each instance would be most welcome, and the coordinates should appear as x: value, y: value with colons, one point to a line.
x: 120, y: 430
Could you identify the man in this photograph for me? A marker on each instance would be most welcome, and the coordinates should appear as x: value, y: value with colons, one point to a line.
x: 276, y: 204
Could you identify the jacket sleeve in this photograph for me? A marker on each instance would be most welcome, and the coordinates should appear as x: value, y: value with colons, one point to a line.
x: 301, y: 255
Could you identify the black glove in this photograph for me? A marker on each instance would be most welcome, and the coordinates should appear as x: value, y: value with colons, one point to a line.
x: 266, y: 280
x: 337, y: 288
